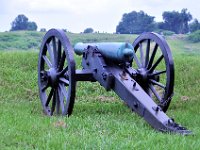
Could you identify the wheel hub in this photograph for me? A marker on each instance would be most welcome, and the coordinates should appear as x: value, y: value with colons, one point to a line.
x: 53, y: 77
x: 142, y: 75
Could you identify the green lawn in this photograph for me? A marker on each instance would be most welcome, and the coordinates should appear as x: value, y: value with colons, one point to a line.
x: 30, y: 40
x: 100, y: 120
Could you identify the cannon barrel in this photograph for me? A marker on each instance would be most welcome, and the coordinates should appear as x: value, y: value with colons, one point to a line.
x: 117, y: 51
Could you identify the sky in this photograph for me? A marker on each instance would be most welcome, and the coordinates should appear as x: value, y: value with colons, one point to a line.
x: 77, y: 15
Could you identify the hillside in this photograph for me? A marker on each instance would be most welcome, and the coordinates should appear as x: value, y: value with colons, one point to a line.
x: 31, y: 40
x: 100, y: 120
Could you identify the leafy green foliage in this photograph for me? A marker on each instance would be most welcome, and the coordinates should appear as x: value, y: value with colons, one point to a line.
x: 43, y: 30
x: 175, y: 21
x: 32, y: 26
x: 195, y: 36
x: 165, y: 32
x: 135, y: 22
x: 194, y: 26
x: 88, y: 30
x: 138, y: 22
x: 21, y: 23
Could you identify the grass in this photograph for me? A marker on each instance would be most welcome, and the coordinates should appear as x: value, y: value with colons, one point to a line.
x: 20, y: 40
x: 100, y: 120
x: 27, y: 40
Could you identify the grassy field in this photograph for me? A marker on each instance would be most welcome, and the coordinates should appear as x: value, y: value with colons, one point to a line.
x: 31, y: 40
x: 100, y: 120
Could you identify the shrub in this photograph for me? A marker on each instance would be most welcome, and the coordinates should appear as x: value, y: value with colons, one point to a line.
x: 195, y: 36
x: 165, y: 32
x: 43, y: 30
x: 88, y: 30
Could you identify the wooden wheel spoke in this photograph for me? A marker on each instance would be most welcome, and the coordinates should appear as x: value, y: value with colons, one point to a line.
x: 49, y: 97
x: 61, y: 99
x: 50, y: 54
x: 62, y: 61
x: 147, y: 53
x: 157, y: 73
x: 141, y: 55
x: 59, y: 52
x: 152, y: 56
x: 157, y: 83
x: 55, y: 51
x: 155, y: 92
x: 53, y: 102
x: 47, y: 61
x: 61, y: 73
x: 137, y: 61
x: 156, y: 63
x: 65, y: 81
x: 65, y: 94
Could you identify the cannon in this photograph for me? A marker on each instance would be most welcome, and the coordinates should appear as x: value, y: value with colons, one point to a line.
x: 141, y: 74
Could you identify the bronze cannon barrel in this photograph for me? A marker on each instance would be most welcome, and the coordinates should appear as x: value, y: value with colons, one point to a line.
x: 117, y: 51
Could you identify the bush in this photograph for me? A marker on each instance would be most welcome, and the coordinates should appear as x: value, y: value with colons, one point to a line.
x: 88, y: 30
x: 195, y: 36
x: 165, y: 32
x: 43, y: 30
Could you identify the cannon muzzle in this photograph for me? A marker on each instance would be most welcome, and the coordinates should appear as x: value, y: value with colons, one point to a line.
x: 117, y: 51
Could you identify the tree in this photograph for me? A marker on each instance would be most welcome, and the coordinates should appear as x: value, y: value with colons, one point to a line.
x: 32, y: 26
x: 43, y: 30
x: 88, y: 30
x: 186, y: 17
x: 135, y: 22
x: 21, y: 23
x: 194, y: 26
x: 175, y: 21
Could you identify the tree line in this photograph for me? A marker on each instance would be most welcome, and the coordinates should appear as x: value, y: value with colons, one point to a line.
x: 21, y: 22
x: 174, y: 21
x: 132, y: 23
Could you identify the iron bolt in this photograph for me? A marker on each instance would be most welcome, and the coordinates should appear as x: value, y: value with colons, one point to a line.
x: 156, y: 108
x: 104, y: 75
x: 135, y: 104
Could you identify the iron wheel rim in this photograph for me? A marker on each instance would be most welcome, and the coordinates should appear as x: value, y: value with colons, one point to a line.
x: 56, y: 73
x: 148, y: 66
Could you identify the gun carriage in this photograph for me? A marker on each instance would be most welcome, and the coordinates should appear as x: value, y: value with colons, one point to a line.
x: 141, y: 74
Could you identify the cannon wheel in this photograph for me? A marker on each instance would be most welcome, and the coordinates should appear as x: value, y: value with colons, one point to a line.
x: 56, y: 73
x: 155, y: 67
